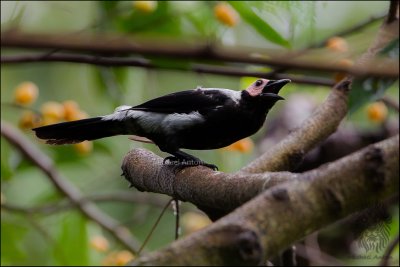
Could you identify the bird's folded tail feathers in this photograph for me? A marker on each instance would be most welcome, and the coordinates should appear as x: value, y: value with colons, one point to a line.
x: 79, y: 131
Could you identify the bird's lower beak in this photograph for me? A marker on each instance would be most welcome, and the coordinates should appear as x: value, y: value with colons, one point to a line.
x: 272, y: 96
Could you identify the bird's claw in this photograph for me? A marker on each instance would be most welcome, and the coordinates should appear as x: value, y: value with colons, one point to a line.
x: 211, y: 166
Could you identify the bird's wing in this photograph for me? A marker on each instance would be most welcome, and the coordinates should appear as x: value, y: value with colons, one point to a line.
x: 189, y: 101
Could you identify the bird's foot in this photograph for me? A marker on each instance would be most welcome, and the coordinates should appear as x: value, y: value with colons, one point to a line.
x: 179, y: 164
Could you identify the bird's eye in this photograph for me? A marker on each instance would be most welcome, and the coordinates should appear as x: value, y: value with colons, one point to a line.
x: 258, y: 82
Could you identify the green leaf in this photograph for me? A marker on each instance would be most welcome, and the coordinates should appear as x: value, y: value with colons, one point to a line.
x: 72, y: 247
x: 370, y: 89
x: 258, y: 23
x: 302, y: 23
x: 12, y: 235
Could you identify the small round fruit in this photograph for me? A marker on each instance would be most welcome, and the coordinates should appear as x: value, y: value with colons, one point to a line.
x: 26, y: 93
x: 99, y: 243
x: 84, y: 147
x: 52, y: 111
x: 337, y: 44
x: 377, y: 112
x: 226, y: 14
x: 244, y: 145
x: 123, y: 257
x: 118, y: 258
x: 71, y: 109
x: 145, y: 6
x: 193, y: 221
x: 29, y: 120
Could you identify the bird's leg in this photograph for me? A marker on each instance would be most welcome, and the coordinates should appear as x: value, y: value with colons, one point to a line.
x: 186, y: 160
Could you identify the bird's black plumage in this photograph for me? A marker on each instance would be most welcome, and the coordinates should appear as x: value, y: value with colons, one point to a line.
x: 202, y: 118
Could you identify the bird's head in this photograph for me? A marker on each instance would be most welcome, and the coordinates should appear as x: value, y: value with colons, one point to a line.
x: 267, y: 89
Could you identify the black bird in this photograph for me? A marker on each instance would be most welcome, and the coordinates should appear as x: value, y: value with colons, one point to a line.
x: 202, y: 118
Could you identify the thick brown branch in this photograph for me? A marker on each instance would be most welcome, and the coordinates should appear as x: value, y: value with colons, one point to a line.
x: 218, y: 190
x: 287, y: 212
x: 119, y: 45
x: 140, y: 62
x: 69, y: 190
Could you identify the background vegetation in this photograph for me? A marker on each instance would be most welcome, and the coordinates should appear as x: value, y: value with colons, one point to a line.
x: 39, y: 226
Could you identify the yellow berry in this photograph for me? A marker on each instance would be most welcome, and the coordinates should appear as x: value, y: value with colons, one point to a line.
x: 226, y: 14
x: 53, y: 111
x: 192, y: 221
x: 145, y: 6
x: 109, y: 260
x: 118, y: 258
x: 244, y: 145
x: 123, y: 257
x: 71, y: 109
x: 377, y: 112
x: 99, y: 243
x: 79, y: 115
x: 48, y: 121
x: 29, y: 120
x: 26, y: 93
x: 84, y: 147
x: 337, y: 44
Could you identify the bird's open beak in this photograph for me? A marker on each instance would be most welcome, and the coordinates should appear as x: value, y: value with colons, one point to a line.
x: 273, y: 87
x: 272, y: 96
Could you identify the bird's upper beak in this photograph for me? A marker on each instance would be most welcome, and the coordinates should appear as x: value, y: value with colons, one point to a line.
x: 271, y: 89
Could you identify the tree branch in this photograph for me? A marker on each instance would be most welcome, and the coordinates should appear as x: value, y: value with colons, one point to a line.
x: 288, y: 153
x: 119, y: 45
x: 141, y: 62
x: 66, y: 204
x: 219, y: 191
x: 287, y: 212
x: 70, y: 191
x: 324, y: 121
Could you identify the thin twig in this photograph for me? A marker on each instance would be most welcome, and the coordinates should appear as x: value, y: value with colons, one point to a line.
x: 154, y: 226
x: 176, y: 212
x: 44, y: 163
x: 345, y: 32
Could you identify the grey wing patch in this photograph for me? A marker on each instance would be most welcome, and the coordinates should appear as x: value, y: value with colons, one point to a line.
x: 228, y: 93
x: 119, y: 114
x: 178, y: 121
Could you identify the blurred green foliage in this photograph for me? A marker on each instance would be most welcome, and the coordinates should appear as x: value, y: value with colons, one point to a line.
x: 63, y: 237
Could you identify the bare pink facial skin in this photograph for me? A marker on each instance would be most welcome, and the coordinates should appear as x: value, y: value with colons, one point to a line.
x: 256, y: 88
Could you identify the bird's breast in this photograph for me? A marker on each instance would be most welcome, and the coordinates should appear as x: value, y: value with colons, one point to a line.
x: 220, y: 130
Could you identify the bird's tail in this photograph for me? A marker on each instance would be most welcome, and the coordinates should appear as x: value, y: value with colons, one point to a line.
x: 79, y: 131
